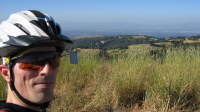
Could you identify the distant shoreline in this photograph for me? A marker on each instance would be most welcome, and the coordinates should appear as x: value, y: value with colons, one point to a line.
x: 157, y: 34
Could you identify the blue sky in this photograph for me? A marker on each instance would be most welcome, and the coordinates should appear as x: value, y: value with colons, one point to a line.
x: 113, y: 14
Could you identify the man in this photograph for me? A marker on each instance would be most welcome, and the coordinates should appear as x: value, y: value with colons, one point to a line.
x: 31, y: 44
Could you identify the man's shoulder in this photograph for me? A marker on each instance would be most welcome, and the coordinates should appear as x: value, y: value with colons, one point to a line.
x: 5, y: 110
x: 4, y: 107
x: 10, y: 107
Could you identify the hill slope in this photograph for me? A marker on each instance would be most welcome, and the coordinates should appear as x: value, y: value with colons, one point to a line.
x: 122, y: 42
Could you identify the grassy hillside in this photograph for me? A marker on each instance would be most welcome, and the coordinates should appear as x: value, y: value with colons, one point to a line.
x: 122, y: 42
x: 139, y: 79
x: 131, y: 80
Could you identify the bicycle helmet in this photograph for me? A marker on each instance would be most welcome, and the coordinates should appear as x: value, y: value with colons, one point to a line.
x: 29, y: 29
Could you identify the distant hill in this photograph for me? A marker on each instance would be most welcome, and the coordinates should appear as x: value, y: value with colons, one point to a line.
x: 123, y: 41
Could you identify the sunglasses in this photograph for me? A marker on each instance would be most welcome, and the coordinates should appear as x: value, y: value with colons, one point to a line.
x: 37, y: 60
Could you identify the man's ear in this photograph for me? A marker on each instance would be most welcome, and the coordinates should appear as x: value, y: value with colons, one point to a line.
x: 5, y: 72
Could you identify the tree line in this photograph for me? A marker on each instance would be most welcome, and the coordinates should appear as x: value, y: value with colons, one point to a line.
x: 123, y: 41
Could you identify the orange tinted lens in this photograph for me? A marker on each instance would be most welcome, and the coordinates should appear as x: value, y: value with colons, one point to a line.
x: 26, y: 66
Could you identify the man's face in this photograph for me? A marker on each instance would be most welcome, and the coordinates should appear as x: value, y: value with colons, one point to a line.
x: 35, y: 85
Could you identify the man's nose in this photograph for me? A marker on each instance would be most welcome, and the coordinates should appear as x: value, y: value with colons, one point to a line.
x: 46, y: 69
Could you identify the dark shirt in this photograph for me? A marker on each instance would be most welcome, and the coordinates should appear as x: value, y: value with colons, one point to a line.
x: 14, y: 108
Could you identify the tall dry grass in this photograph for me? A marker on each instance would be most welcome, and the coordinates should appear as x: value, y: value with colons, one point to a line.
x: 2, y: 86
x: 132, y: 80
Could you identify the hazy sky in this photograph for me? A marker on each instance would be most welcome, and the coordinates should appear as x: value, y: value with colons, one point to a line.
x: 113, y: 14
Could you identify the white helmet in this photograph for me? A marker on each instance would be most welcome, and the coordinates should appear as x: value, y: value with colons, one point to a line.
x: 27, y: 29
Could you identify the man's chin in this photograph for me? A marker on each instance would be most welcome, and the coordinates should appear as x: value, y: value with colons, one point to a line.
x: 43, y: 97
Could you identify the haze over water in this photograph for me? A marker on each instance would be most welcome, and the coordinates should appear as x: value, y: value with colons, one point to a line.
x: 106, y: 17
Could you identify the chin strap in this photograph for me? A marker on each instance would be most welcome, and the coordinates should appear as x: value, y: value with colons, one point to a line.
x: 42, y: 106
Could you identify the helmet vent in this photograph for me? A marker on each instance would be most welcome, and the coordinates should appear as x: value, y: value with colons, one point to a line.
x: 58, y: 29
x: 22, y: 28
x: 37, y: 13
